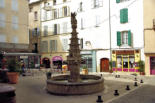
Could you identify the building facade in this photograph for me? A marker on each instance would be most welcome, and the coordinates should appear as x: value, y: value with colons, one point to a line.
x: 13, y: 25
x: 56, y: 29
x: 149, y: 34
x: 34, y: 25
x: 127, y: 39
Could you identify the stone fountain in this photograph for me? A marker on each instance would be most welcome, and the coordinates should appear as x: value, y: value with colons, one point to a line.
x: 74, y: 84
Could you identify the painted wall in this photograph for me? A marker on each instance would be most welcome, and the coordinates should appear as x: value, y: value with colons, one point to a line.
x: 149, y: 34
x: 135, y: 23
x: 149, y: 6
x: 16, y: 21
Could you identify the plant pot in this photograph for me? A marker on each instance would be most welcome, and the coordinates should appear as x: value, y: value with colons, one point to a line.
x: 13, y: 77
x: 85, y: 71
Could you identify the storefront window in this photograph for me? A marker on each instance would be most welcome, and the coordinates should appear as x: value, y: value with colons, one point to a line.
x: 125, y: 62
x: 131, y: 62
x: 119, y: 62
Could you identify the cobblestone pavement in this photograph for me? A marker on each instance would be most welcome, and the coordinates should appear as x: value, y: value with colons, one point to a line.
x: 144, y: 94
x: 31, y: 89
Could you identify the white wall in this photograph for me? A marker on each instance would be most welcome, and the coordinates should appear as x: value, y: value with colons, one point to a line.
x: 135, y: 22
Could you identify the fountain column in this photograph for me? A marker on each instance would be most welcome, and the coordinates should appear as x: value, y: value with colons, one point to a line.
x: 74, y: 57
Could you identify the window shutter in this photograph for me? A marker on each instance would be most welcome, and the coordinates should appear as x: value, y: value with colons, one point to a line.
x: 129, y: 38
x: 117, y: 1
x: 33, y: 32
x: 68, y: 11
x: 100, y: 3
x: 125, y: 15
x: 121, y: 16
x: 58, y: 28
x: 118, y: 38
x: 55, y: 45
x: 55, y: 29
x: 60, y: 12
x: 38, y: 31
x: 50, y: 45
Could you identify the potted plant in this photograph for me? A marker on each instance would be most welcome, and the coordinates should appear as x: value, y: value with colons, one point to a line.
x: 13, y: 67
x: 141, y: 67
x: 85, y: 70
x: 110, y: 64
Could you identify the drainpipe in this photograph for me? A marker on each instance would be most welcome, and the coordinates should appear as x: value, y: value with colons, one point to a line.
x: 110, y: 29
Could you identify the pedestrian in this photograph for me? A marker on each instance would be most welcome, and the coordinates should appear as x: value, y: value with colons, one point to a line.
x: 23, y: 68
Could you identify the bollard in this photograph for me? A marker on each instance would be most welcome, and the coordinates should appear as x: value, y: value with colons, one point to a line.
x: 135, y: 84
x: 141, y: 81
x: 127, y: 87
x: 101, y: 75
x: 99, y: 100
x: 116, y: 93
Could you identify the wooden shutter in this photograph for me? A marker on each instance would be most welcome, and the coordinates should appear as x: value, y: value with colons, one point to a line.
x: 51, y: 45
x: 55, y: 29
x: 124, y: 15
x: 55, y: 42
x: 129, y: 38
x: 121, y: 16
x: 118, y: 38
x: 58, y: 28
x: 68, y: 11
x: 117, y: 1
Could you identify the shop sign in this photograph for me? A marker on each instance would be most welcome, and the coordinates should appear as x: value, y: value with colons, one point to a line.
x: 57, y: 58
x: 125, y: 52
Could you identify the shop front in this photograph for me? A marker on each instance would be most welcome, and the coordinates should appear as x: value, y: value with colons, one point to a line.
x: 89, y: 58
x: 125, y: 60
x: 57, y: 62
x: 152, y: 65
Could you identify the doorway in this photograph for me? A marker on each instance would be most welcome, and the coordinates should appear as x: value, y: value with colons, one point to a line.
x: 152, y: 65
x: 46, y: 62
x: 104, y: 65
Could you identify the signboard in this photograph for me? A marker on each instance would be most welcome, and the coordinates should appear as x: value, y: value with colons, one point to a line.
x: 125, y: 52
x: 57, y: 58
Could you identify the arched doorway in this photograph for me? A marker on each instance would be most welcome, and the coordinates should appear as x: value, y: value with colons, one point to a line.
x: 46, y: 62
x: 104, y: 65
x: 57, y: 62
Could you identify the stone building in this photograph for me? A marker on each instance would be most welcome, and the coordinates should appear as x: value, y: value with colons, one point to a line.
x: 14, y: 25
x: 149, y: 36
x: 34, y: 25
x: 14, y: 32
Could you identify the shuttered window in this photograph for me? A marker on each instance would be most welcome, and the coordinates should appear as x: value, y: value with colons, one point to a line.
x: 56, y: 29
x: 53, y: 45
x: 118, y: 38
x: 65, y: 44
x: 129, y: 38
x: 124, y: 15
x: 45, y: 30
x: 44, y: 46
x: 124, y: 38
x: 117, y: 1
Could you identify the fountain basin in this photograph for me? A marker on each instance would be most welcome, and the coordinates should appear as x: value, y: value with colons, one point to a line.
x: 89, y: 84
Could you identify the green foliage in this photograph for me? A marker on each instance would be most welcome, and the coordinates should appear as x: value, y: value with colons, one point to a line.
x: 13, y: 65
x: 141, y: 66
x: 110, y: 64
x: 85, y: 67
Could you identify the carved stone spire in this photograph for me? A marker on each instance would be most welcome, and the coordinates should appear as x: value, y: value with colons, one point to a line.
x: 74, y: 57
